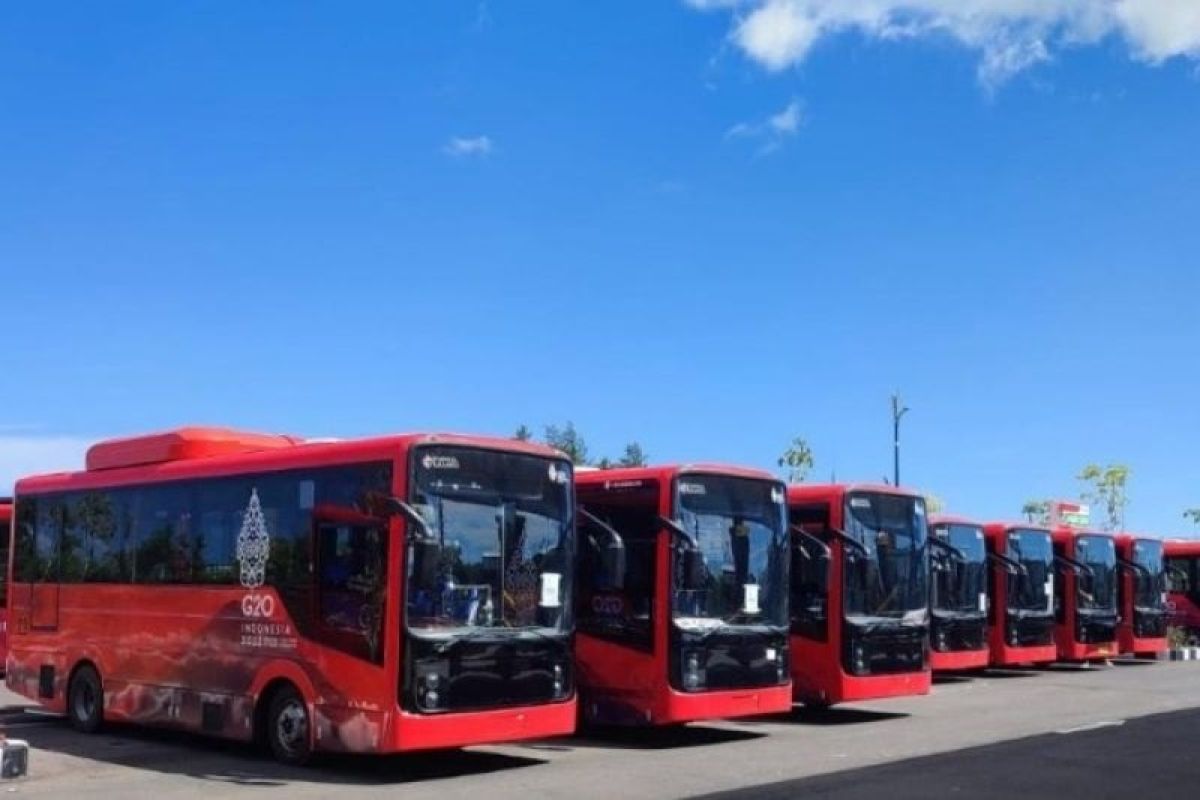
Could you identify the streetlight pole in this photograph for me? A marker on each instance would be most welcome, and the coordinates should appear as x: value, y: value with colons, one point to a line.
x: 898, y: 411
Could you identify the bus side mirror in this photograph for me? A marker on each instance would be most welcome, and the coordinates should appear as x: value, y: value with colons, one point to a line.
x: 612, y: 564
x: 693, y: 569
x: 426, y: 558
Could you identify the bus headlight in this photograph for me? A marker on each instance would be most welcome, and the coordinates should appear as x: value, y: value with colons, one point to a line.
x: 858, y: 659
x: 941, y: 641
x: 560, y: 681
x: 430, y: 687
x: 693, y: 671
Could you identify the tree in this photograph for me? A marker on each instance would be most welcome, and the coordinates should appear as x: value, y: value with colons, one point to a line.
x: 933, y: 504
x: 797, y: 459
x: 568, y: 440
x: 634, y: 456
x: 1193, y: 514
x: 523, y: 434
x: 1037, y: 511
x: 1107, y: 490
x: 604, y: 463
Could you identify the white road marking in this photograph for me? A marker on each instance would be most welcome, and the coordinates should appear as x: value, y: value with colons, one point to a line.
x: 1094, y: 726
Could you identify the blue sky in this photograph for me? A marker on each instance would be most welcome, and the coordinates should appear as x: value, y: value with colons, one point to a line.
x: 653, y: 219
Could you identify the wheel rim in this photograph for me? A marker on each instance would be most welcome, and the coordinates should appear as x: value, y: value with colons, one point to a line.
x: 85, y: 701
x: 291, y: 728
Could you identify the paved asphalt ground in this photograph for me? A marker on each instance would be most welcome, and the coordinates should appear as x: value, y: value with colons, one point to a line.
x: 1146, y: 757
x: 1124, y: 730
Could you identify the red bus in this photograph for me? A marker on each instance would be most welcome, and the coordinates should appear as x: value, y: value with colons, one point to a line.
x: 1183, y: 582
x: 1142, y: 595
x: 682, y: 604
x: 5, y: 526
x: 377, y: 595
x: 1020, y: 594
x: 860, y: 593
x: 1085, y: 592
x: 958, y: 595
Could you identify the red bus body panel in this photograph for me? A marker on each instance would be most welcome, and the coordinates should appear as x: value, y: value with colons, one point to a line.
x: 959, y: 660
x: 1002, y: 654
x: 636, y: 681
x: 166, y: 651
x: 818, y: 675
x: 1070, y: 648
x: 1127, y: 641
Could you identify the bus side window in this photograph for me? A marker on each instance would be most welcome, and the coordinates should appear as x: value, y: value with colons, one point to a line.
x: 810, y: 572
x: 623, y: 614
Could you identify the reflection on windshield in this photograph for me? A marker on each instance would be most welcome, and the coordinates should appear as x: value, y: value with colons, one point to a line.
x: 1148, y: 588
x: 890, y: 581
x: 738, y: 524
x: 1032, y: 589
x: 1098, y: 590
x: 960, y: 579
x: 504, y: 548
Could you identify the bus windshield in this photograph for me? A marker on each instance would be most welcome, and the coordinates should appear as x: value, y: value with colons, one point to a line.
x: 960, y: 577
x: 1098, y: 589
x: 739, y: 526
x: 502, y: 524
x: 889, y: 576
x: 1149, y: 586
x: 1031, y: 590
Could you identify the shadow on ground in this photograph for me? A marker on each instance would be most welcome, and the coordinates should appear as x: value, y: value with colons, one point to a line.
x: 830, y: 716
x: 220, y: 761
x: 667, y: 737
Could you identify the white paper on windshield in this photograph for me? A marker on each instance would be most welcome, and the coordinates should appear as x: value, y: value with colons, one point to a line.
x: 1050, y: 594
x: 983, y: 602
x: 550, y: 586
x: 750, y: 598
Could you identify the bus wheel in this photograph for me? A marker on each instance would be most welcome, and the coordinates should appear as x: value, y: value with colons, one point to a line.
x: 85, y: 700
x: 288, y: 727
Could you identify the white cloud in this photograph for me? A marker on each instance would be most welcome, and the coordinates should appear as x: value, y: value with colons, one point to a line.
x: 1009, y: 35
x: 773, y: 130
x: 467, y: 146
x: 27, y: 454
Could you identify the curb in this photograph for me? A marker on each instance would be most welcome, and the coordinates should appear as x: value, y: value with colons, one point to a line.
x: 1185, y: 654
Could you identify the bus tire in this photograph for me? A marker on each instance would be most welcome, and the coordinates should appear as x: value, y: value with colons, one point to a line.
x: 289, y: 727
x: 85, y: 699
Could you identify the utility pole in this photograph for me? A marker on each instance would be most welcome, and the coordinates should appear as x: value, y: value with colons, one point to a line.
x: 898, y: 411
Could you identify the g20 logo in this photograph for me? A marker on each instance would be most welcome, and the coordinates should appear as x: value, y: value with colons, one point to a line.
x: 607, y: 605
x: 258, y: 606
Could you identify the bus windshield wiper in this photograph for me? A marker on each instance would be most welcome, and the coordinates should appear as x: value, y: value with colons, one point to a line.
x: 474, y: 635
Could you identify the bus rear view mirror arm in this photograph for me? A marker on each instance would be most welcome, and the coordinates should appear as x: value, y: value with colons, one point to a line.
x: 948, y: 549
x: 853, y: 543
x: 1011, y: 565
x: 1066, y: 563
x: 813, y: 540
x: 689, y: 541
x: 1130, y: 566
x: 414, y: 517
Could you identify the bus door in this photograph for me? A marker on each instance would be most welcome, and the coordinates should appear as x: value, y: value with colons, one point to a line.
x: 34, y: 598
